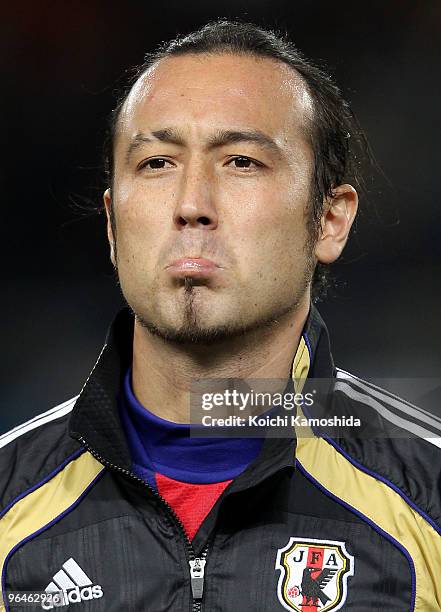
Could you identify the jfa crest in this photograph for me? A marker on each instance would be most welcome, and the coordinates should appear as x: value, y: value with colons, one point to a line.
x: 313, y: 575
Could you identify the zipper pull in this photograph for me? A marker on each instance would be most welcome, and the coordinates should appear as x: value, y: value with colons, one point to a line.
x: 197, y: 567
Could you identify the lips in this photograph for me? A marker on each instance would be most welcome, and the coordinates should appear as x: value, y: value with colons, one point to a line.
x: 193, y: 266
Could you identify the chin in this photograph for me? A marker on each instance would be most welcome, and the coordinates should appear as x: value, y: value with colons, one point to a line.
x: 195, y: 331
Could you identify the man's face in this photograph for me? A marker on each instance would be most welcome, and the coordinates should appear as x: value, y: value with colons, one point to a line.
x: 212, y: 162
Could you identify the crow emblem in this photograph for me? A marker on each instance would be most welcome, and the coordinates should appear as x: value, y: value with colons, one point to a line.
x: 312, y: 587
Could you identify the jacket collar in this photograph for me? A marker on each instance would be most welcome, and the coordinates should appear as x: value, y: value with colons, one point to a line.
x: 95, y: 419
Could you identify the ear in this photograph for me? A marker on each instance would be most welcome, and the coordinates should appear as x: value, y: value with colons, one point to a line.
x: 338, y: 216
x: 107, y: 197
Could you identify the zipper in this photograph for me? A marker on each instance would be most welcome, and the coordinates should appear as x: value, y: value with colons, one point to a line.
x: 197, y: 569
x: 196, y: 564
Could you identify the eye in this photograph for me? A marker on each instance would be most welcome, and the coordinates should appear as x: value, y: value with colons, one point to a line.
x: 244, y: 163
x: 156, y: 163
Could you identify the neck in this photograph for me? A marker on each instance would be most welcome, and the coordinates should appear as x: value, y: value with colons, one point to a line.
x: 163, y: 372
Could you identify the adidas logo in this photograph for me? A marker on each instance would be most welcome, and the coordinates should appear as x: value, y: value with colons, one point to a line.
x: 71, y: 585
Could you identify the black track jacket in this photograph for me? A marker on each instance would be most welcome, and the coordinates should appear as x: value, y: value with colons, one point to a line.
x: 315, y: 523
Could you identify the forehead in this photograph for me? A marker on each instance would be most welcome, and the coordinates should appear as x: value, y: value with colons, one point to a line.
x: 218, y: 91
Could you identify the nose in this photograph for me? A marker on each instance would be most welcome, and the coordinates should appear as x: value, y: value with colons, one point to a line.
x: 195, y: 203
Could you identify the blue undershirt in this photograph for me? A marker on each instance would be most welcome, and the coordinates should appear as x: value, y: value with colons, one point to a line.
x: 157, y: 445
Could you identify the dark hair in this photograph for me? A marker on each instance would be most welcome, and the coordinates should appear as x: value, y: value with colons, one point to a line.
x: 335, y: 136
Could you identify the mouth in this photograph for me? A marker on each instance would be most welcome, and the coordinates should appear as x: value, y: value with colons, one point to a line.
x: 196, y: 267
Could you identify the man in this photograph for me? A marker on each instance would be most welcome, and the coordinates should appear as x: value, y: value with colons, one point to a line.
x: 227, y: 194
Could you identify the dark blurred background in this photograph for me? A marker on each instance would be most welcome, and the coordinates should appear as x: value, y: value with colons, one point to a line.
x: 60, y: 64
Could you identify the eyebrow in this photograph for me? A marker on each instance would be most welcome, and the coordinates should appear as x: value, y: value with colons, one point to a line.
x: 217, y: 140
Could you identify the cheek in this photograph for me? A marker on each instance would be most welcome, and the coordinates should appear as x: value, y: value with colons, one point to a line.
x: 269, y: 237
x: 140, y: 218
x: 272, y: 216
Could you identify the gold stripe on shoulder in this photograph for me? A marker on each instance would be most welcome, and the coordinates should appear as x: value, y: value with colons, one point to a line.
x: 46, y: 503
x: 384, y: 507
x: 300, y: 366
